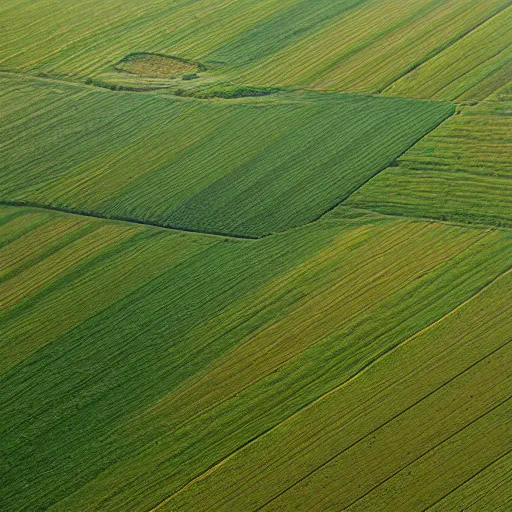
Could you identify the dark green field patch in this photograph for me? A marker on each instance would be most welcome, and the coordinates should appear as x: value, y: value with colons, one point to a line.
x: 248, y: 167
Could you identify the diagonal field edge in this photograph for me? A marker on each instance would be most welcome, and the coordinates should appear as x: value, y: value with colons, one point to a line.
x: 440, y: 50
x: 337, y: 200
x: 383, y: 168
x: 468, y: 480
x: 437, y: 445
x: 431, y: 393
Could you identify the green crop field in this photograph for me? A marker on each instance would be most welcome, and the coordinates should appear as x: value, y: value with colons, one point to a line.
x: 255, y: 255
x: 246, y: 168
x: 213, y: 343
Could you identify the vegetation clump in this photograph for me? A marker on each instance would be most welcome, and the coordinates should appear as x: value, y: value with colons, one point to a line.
x: 227, y: 91
x: 190, y: 76
x: 158, y: 66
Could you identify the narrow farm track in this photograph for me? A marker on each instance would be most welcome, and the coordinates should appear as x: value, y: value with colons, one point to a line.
x: 477, y: 428
x: 471, y: 68
x: 370, y: 47
x: 444, y: 60
x: 486, y: 488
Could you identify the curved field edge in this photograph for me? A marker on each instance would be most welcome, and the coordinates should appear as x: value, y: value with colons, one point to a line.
x: 185, y: 356
x: 459, y: 172
x: 243, y: 168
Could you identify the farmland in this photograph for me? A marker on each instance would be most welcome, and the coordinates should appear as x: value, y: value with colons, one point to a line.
x: 245, y: 301
x: 355, y: 457
x: 255, y: 255
x: 462, y: 171
x: 470, y: 69
x: 347, y: 45
x: 247, y: 168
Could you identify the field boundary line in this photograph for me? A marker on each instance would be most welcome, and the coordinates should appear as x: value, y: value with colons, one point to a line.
x: 431, y: 219
x: 437, y: 445
x: 234, y: 236
x: 383, y: 168
x: 222, y: 461
x: 478, y: 292
x: 95, y: 215
x: 441, y: 50
x: 468, y: 480
x: 468, y: 71
x: 387, y: 422
x: 342, y: 385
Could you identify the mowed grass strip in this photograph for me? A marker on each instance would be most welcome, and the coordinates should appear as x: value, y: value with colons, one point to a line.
x: 137, y: 354
x: 470, y: 69
x: 450, y: 377
x: 461, y: 171
x: 246, y: 168
x: 374, y: 44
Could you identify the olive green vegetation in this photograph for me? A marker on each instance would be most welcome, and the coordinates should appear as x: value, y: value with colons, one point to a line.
x: 489, y: 490
x: 470, y: 69
x: 461, y: 171
x: 135, y: 358
x: 418, y: 424
x: 347, y: 347
x: 345, y: 45
x: 156, y: 66
x: 247, y: 168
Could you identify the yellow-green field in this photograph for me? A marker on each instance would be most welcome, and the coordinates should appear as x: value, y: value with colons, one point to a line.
x: 255, y: 255
x: 349, y: 45
x: 147, y: 356
x: 470, y: 69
